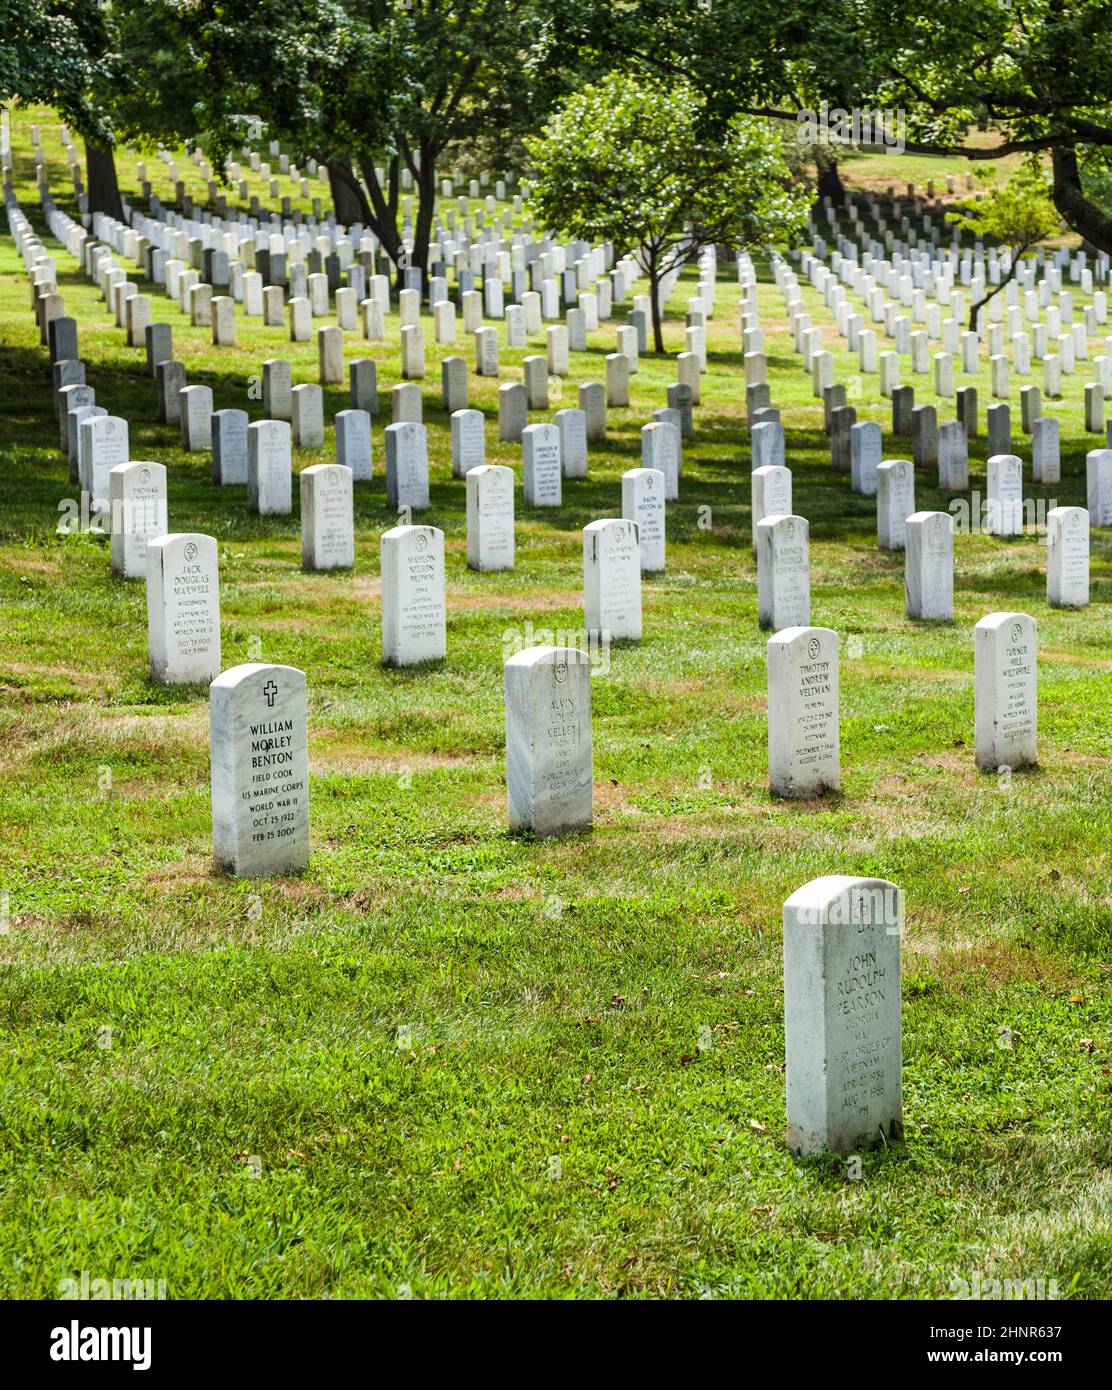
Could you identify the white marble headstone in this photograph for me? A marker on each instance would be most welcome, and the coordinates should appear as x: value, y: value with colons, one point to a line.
x: 413, y: 612
x: 137, y: 492
x: 183, y: 608
x: 929, y: 566
x: 259, y: 748
x: 104, y: 445
x: 327, y: 517
x: 842, y: 1028
x: 270, y: 468
x: 643, y: 493
x: 543, y: 476
x: 1005, y: 691
x: 548, y: 740
x: 803, y: 715
x: 490, y: 517
x: 407, y: 466
x: 1067, y: 557
x: 783, y: 572
x: 770, y: 493
x: 612, y: 580
x: 895, y: 502
x: 468, y: 441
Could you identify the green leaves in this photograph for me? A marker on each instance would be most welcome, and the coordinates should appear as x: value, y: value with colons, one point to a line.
x: 1017, y: 213
x: 628, y: 163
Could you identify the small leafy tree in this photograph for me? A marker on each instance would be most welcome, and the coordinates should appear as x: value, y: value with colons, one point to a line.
x: 627, y: 163
x: 1017, y: 214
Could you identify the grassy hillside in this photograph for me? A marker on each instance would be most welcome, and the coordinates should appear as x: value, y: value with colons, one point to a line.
x: 446, y: 1060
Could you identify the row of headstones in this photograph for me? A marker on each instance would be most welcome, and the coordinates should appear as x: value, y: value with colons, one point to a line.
x: 548, y: 697
x: 843, y: 1042
x: 781, y: 543
x: 136, y: 491
x: 918, y: 277
x: 965, y: 262
x: 926, y: 536
x: 157, y: 338
x: 841, y: 935
x: 185, y: 255
x: 819, y: 362
x: 856, y: 450
x: 183, y: 591
x: 868, y: 286
x: 690, y: 364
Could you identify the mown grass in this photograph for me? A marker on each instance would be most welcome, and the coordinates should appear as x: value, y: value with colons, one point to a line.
x: 447, y: 1061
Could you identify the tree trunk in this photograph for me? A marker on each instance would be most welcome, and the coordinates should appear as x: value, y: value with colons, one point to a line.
x: 383, y: 216
x: 104, y: 191
x: 1069, y: 198
x: 348, y: 200
x: 975, y: 309
x: 426, y: 208
x: 830, y: 184
x: 654, y: 285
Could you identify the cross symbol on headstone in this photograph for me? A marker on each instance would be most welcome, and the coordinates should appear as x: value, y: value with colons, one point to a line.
x: 270, y: 690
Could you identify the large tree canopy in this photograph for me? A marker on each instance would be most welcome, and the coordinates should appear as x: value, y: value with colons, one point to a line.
x: 982, y: 80
x: 625, y: 162
x: 357, y: 84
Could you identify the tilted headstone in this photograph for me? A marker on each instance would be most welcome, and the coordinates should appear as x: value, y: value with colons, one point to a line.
x: 259, y: 747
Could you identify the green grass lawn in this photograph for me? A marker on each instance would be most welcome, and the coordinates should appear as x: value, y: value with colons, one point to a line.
x: 447, y: 1061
